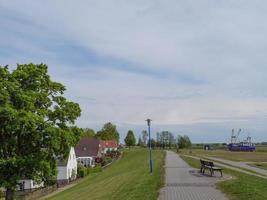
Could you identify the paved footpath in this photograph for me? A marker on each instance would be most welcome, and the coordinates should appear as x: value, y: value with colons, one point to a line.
x: 185, y: 183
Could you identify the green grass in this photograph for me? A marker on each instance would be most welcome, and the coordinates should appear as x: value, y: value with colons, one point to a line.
x: 241, y: 187
x: 261, y: 148
x: 229, y: 155
x: 259, y: 165
x: 126, y: 179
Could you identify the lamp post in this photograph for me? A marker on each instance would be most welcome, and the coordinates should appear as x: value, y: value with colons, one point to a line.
x: 150, y: 153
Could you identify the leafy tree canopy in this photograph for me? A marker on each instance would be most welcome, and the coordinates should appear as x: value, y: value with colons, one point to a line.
x: 140, y: 142
x: 36, y: 125
x: 153, y: 143
x: 184, y: 141
x: 130, y: 139
x: 88, y: 133
x: 108, y: 132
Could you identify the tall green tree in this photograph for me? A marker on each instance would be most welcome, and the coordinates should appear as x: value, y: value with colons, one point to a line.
x: 153, y: 143
x: 36, y: 125
x: 130, y: 139
x: 140, y: 143
x: 88, y: 132
x: 184, y: 141
x: 108, y: 132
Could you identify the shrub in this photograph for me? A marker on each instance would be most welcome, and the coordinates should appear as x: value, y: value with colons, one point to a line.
x: 95, y: 169
x: 98, y: 160
x: 106, y: 160
x: 113, y: 154
x: 81, y: 171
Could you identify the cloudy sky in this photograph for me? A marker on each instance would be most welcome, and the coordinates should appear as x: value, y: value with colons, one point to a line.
x: 194, y: 67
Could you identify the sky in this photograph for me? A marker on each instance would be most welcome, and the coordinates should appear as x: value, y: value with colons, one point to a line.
x: 194, y: 67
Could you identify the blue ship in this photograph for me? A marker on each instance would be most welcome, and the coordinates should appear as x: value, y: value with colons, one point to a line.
x: 242, y: 146
x: 246, y: 145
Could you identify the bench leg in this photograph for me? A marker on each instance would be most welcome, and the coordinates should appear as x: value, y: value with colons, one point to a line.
x: 211, y: 172
x: 221, y: 173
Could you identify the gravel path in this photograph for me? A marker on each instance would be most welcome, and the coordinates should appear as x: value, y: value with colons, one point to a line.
x: 240, y: 164
x: 185, y: 183
x: 229, y: 167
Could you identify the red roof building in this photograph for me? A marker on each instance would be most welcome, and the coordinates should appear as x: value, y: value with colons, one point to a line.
x: 108, y: 145
x: 87, y: 150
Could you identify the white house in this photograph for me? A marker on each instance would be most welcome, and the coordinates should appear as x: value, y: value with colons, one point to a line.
x: 28, y: 184
x: 87, y: 150
x: 67, y: 169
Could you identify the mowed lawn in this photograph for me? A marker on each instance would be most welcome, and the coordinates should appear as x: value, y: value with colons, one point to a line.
x: 230, y: 155
x: 127, y: 178
x: 259, y: 165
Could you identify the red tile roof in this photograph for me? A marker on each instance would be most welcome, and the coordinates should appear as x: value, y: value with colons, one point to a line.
x: 109, y: 143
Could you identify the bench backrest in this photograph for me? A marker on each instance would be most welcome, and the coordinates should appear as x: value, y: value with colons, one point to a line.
x: 206, y: 163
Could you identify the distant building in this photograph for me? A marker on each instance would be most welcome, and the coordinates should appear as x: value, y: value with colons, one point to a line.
x: 108, y: 145
x: 207, y: 147
x: 87, y: 150
x: 29, y: 185
x: 67, y: 168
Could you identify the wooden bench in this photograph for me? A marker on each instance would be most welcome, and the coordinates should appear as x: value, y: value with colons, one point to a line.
x: 210, y: 166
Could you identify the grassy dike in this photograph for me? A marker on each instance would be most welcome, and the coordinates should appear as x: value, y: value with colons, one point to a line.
x: 241, y: 187
x: 127, y: 179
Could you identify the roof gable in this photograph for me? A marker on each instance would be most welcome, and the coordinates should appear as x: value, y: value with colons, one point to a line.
x: 64, y: 161
x: 87, y: 147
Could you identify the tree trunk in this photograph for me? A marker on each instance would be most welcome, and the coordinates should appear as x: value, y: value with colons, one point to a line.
x: 10, y: 194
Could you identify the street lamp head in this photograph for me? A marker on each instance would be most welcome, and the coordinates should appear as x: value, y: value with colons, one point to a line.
x: 148, y: 121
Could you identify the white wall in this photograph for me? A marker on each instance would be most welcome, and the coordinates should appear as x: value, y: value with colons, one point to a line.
x: 65, y: 172
x: 72, y: 164
x: 30, y: 184
x: 86, y: 161
x: 62, y: 173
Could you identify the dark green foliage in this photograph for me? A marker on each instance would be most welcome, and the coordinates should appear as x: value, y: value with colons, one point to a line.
x: 92, y: 170
x: 81, y: 171
x: 106, y: 160
x: 36, y: 124
x: 108, y: 132
x: 88, y: 133
x: 140, y: 143
x: 113, y: 154
x: 130, y: 139
x: 184, y: 141
x: 153, y: 143
x: 165, y: 139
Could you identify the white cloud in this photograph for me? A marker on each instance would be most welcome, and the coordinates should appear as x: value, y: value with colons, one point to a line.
x: 212, y: 54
